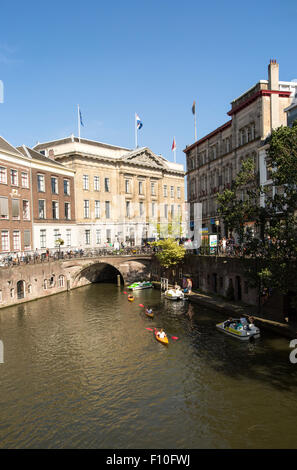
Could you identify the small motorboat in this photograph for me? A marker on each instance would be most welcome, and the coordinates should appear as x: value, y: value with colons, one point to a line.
x: 243, y: 331
x: 140, y: 285
x: 174, y: 294
x: 131, y: 298
x: 151, y: 315
x: 161, y: 340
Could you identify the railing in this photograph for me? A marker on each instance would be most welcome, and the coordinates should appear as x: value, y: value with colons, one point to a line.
x: 47, y: 256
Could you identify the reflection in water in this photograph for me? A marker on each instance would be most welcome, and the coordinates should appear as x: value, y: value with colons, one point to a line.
x: 82, y: 370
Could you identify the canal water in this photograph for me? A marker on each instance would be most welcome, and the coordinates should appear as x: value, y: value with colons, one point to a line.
x: 81, y: 370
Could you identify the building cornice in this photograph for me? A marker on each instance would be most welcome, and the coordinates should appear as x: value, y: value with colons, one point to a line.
x: 208, y: 136
x: 258, y: 94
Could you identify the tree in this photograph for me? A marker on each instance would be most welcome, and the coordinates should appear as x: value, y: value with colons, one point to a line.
x: 270, y: 258
x: 169, y: 253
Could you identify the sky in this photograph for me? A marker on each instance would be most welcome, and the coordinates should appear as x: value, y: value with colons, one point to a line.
x: 119, y: 58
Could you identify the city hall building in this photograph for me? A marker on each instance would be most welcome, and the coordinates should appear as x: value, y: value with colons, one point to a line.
x: 121, y: 195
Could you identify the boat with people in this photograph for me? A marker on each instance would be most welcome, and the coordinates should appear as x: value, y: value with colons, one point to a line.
x: 131, y: 298
x: 161, y: 336
x: 149, y: 313
x: 140, y: 285
x: 240, y: 328
x: 174, y: 294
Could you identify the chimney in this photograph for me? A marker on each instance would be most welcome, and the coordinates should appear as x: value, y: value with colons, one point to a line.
x: 273, y: 75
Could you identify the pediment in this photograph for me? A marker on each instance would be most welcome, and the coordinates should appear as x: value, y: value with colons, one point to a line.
x: 145, y: 158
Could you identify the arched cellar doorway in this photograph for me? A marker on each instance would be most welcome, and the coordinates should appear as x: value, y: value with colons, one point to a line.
x: 20, y: 289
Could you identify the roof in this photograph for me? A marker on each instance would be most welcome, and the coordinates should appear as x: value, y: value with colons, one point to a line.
x: 38, y: 156
x: 70, y: 139
x: 6, y: 147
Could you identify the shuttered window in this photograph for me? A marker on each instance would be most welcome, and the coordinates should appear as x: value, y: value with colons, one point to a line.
x: 3, y: 207
x: 15, y: 208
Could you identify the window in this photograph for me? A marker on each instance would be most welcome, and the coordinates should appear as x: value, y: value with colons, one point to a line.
x: 97, y: 209
x: 98, y: 236
x: 3, y: 208
x: 55, y: 209
x: 25, y: 179
x: 29, y: 288
x: 86, y: 208
x: 178, y: 192
x: 68, y: 237
x: 26, y: 210
x: 141, y: 209
x: 42, y: 238
x: 27, y: 239
x: 96, y: 183
x: 85, y: 182
x: 61, y: 280
x: 57, y: 235
x: 172, y: 210
x: 16, y: 240
x: 14, y: 177
x: 127, y: 186
x: 153, y: 188
x: 153, y: 209
x: 171, y: 191
x: 3, y: 175
x: 40, y: 183
x: 165, y: 190
x: 67, y: 210
x: 128, y: 207
x: 45, y: 284
x: 140, y: 187
x: 87, y: 237
x: 67, y: 187
x: 107, y: 209
x: 5, y: 240
x: 106, y: 185
x: 41, y: 209
x: 15, y: 209
x: 166, y: 211
x: 108, y: 235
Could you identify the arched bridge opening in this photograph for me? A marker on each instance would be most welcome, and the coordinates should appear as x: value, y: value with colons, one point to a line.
x: 100, y: 272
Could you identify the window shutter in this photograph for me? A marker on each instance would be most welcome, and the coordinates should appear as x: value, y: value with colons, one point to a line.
x: 4, y: 206
x: 15, y: 208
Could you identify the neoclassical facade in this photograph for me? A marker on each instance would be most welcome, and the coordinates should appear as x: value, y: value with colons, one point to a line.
x: 120, y: 194
x: 214, y: 161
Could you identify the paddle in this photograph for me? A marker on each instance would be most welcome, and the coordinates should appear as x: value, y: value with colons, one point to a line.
x: 150, y: 329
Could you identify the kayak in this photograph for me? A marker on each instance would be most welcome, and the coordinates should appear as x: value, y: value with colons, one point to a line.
x: 130, y: 298
x: 161, y: 340
x: 151, y: 315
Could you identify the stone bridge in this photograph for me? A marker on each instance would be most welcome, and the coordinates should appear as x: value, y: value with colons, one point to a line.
x: 106, y: 269
x: 25, y: 282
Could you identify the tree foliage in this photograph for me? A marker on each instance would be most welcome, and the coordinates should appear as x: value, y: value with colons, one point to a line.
x: 271, y: 256
x: 169, y: 252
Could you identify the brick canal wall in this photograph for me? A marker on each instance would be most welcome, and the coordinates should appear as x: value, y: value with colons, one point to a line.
x: 225, y: 277
x: 23, y: 283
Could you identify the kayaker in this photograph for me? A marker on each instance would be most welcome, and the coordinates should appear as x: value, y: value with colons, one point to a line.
x: 161, y: 334
x: 149, y: 310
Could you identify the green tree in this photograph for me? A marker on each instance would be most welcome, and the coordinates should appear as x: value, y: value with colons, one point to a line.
x: 271, y: 257
x: 169, y: 253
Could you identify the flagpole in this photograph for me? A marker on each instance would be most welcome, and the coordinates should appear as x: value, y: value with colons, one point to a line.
x: 78, y: 122
x: 195, y: 124
x: 135, y: 131
x: 174, y: 150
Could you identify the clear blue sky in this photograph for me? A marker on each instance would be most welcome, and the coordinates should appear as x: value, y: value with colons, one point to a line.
x: 121, y: 57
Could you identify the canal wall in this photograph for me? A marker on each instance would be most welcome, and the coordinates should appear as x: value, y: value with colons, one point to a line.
x: 225, y: 278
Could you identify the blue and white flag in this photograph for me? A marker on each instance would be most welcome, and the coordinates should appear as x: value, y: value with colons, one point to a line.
x: 138, y: 122
x: 81, y: 121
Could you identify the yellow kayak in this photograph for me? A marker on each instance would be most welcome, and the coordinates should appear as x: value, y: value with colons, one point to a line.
x: 161, y: 340
x: 130, y: 298
x: 151, y: 315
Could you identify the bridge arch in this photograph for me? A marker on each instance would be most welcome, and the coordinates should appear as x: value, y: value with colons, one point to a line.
x: 107, y: 270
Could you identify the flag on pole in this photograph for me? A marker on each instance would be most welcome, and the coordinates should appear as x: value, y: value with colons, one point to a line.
x: 173, y: 145
x: 138, y: 122
x: 80, y: 117
x: 194, y: 107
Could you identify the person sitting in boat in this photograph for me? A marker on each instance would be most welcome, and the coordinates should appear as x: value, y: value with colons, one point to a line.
x: 149, y: 310
x: 161, y: 334
x: 228, y: 322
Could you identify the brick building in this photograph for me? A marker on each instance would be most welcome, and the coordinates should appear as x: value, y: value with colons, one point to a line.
x: 15, y: 200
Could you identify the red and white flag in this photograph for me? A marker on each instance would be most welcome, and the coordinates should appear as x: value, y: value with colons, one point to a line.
x: 173, y: 144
